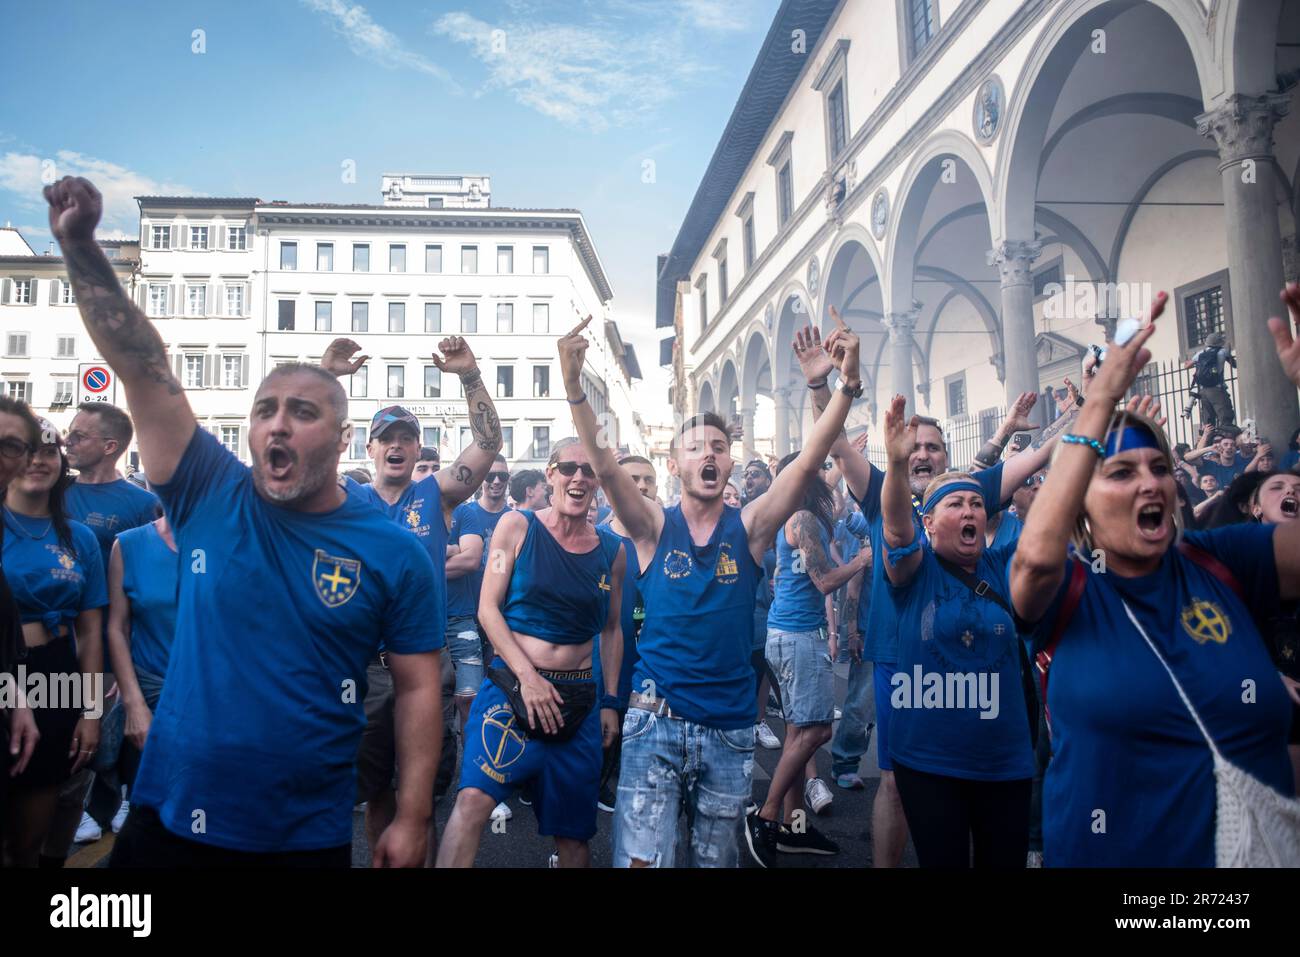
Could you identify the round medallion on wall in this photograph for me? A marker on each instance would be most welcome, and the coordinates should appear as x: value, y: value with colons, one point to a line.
x: 990, y: 101
x: 879, y: 213
x: 814, y: 276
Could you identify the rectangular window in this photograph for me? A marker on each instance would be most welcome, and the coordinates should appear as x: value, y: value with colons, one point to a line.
x: 360, y: 386
x: 361, y: 317
x: 397, y: 258
x: 235, y: 300
x: 397, y: 317
x: 230, y: 438
x: 361, y: 257
x: 508, y: 441
x: 433, y: 259
x: 541, y: 260
x: 431, y: 437
x: 1203, y: 315
x: 784, y: 193
x: 16, y: 344
x: 1046, y: 277
x: 69, y: 294
x: 237, y: 238
x: 62, y: 393
x: 541, y: 382
x: 194, y: 371
x: 396, y: 381
x: 956, y: 397
x: 196, y: 301
x: 505, y: 260
x: 324, y: 257
x: 469, y: 317
x: 19, y: 389
x: 286, y: 315
x: 358, y: 450
x: 468, y: 259
x: 722, y: 280
x: 749, y: 242
x: 324, y: 317
x: 505, y: 382
x: 433, y: 317
x: 703, y: 287
x: 541, y: 441
x: 158, y: 299
x: 922, y: 23
x: 505, y: 317
x: 232, y: 371
x: 198, y: 237
x: 541, y: 317
x: 432, y: 383
x: 162, y: 237
x: 67, y: 347
x: 23, y: 292
x: 288, y: 255
x: 835, y: 110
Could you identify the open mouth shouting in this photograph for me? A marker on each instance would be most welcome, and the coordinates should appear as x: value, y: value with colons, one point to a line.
x: 1151, y: 521
x: 395, y: 458
x: 923, y: 471
x: 710, y: 475
x: 279, y: 462
x: 969, y: 533
x: 1290, y: 506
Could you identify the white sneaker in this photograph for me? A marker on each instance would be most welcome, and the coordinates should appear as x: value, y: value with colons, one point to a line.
x: 765, y: 736
x: 88, y: 830
x: 502, y: 812
x: 120, y: 817
x: 838, y: 714
x: 817, y: 795
x: 554, y: 861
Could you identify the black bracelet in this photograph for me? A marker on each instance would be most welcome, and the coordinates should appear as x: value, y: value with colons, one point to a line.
x: 610, y: 701
x: 817, y: 385
x: 578, y: 401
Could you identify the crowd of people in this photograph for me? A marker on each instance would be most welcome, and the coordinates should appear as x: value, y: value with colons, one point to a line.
x: 283, y: 644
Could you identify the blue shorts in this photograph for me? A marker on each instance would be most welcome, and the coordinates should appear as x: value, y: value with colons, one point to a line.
x: 883, y: 674
x: 566, y: 776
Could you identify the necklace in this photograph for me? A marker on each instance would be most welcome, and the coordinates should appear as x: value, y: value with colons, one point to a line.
x: 18, y: 526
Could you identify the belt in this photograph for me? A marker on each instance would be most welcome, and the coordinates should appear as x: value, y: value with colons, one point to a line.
x: 380, y: 659
x: 652, y: 704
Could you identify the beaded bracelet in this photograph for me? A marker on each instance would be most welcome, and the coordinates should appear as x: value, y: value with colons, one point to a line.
x: 1084, y: 440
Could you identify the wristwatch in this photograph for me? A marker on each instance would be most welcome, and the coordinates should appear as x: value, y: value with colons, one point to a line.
x: 852, y: 393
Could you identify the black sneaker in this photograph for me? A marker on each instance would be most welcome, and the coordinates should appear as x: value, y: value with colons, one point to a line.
x: 761, y: 837
x: 810, y: 841
x: 606, y: 800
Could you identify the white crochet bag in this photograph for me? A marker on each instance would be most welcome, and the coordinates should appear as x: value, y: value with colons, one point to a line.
x: 1254, y: 825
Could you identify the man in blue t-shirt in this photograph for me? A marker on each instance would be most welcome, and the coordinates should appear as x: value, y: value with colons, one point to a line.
x: 288, y: 588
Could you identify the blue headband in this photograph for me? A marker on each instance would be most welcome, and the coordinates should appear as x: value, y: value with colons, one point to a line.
x: 946, y: 490
x: 1129, y: 438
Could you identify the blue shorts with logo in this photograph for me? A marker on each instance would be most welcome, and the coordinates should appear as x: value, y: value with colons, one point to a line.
x: 499, y: 756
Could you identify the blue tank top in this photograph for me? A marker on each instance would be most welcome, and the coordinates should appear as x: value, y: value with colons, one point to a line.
x: 798, y: 605
x: 696, y: 640
x: 150, y: 579
x: 632, y: 614
x: 556, y: 595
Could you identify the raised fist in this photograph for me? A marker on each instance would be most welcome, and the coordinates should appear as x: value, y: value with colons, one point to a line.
x: 75, y: 209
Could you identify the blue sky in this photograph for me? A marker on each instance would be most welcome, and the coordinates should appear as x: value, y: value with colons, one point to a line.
x: 561, y: 103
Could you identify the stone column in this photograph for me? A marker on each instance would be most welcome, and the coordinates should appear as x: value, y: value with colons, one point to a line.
x: 747, y: 422
x: 1015, y: 260
x: 781, y: 401
x: 1242, y: 128
x: 901, y: 325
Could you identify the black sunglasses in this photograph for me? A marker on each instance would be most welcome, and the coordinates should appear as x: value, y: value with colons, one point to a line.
x: 569, y: 469
x: 15, y: 448
x: 1040, y: 479
x: 498, y: 476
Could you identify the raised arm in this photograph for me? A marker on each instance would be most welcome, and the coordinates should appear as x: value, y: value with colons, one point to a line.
x: 642, y: 518
x: 1286, y: 540
x: 1017, y: 420
x: 123, y: 335
x: 1020, y: 467
x: 473, y: 464
x: 816, y: 367
x: 896, y: 494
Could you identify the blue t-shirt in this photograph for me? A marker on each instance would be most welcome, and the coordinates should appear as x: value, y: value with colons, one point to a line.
x: 877, y: 619
x: 1123, y: 743
x: 958, y: 703
x: 798, y: 605
x: 697, y: 637
x: 556, y: 595
x: 631, y: 617
x: 1224, y: 473
x: 462, y: 592
x: 1289, y: 461
x: 151, y: 580
x: 280, y: 612
x: 1008, y: 531
x: 419, y: 510
x: 51, y: 584
x: 110, y: 508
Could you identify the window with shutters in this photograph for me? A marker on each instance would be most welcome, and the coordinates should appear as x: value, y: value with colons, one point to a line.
x: 360, y: 385
x: 469, y: 317
x: 237, y: 238
x: 160, y: 237
x: 193, y: 371
x: 68, y: 295
x: 20, y: 389
x: 16, y: 344
x: 22, y: 292
x: 505, y: 382
x: 541, y: 382
x: 433, y: 317
x: 469, y: 259
x: 198, y: 237
x: 288, y: 255
x: 433, y: 259
x: 67, y: 347
x: 158, y: 299
x: 396, y: 381
x: 286, y: 320
x: 397, y: 317
x: 397, y: 258
x: 505, y: 259
x: 541, y: 317
x: 432, y: 383
x: 358, y: 450
x: 230, y: 438
x: 361, y: 317
x: 324, y: 257
x: 541, y: 260
x: 235, y: 300
x: 232, y: 370
x: 196, y: 300
x: 62, y: 393
x: 505, y: 317
x: 361, y: 257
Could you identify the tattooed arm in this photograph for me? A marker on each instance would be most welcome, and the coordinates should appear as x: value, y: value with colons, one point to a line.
x: 804, y: 531
x: 164, y: 422
x: 473, y: 464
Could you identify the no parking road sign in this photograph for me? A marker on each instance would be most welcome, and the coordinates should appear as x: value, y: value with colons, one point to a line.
x: 95, y: 383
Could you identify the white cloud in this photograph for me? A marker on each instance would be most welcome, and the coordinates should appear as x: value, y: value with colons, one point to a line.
x: 585, y: 77
x: 718, y: 15
x: 21, y: 174
x: 368, y: 39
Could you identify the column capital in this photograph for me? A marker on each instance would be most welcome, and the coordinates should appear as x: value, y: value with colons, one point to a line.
x: 999, y: 363
x: 1015, y: 259
x: 781, y: 392
x: 1242, y: 126
x: 901, y: 325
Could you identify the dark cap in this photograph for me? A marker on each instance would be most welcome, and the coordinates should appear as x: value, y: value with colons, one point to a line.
x: 385, y: 419
x: 1216, y: 339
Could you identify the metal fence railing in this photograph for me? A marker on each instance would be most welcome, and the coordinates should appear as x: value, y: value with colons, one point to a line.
x: 1172, y: 385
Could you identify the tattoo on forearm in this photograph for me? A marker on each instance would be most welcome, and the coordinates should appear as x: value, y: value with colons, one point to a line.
x: 471, y: 381
x: 821, y: 398
x: 483, y: 421
x: 119, y: 329
x: 989, y: 454
x: 1060, y: 425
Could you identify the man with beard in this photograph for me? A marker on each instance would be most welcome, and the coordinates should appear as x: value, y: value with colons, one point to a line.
x: 423, y: 508
x: 288, y: 588
x: 688, y: 738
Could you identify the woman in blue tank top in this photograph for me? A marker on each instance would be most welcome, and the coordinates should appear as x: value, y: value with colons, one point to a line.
x: 551, y: 582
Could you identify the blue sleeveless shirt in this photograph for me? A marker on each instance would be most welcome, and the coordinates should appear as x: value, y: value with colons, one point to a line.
x: 696, y: 640
x: 798, y: 605
x: 151, y: 581
x: 556, y: 595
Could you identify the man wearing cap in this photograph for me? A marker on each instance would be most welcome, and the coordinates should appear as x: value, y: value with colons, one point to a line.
x: 428, y: 463
x: 424, y: 508
x: 1216, y: 405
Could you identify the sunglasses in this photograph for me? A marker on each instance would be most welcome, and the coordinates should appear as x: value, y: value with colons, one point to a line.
x: 15, y: 448
x: 570, y: 469
x: 1035, y: 479
x: 498, y: 476
x: 755, y: 474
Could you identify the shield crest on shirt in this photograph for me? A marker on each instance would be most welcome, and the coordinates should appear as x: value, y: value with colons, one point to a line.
x: 335, y: 579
